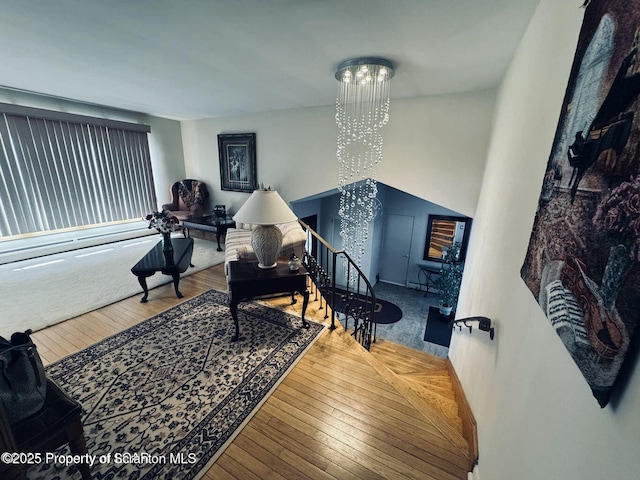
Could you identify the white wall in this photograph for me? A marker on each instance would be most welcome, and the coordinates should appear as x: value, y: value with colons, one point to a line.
x: 536, y: 416
x: 167, y: 161
x: 434, y: 148
x: 288, y: 145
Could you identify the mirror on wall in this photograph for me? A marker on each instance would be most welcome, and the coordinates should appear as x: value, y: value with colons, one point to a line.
x: 442, y: 232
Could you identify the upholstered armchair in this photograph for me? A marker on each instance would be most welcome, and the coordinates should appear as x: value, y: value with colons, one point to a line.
x: 188, y: 199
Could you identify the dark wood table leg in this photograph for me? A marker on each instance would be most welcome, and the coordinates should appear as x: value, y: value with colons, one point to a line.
x: 143, y: 283
x: 218, y: 234
x: 176, y: 280
x: 187, y: 234
x: 233, y: 306
x: 78, y: 446
x: 305, y: 302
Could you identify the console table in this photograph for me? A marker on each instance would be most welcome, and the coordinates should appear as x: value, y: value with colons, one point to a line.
x: 429, y: 274
x: 169, y: 263
x: 247, y: 281
x: 209, y: 223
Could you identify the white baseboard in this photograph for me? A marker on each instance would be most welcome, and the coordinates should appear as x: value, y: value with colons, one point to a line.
x: 475, y: 475
x: 414, y: 285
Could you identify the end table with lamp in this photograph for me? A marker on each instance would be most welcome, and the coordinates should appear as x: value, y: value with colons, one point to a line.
x: 246, y: 280
x: 265, y: 209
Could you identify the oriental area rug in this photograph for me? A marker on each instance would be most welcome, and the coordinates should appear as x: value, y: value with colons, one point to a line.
x: 163, y: 399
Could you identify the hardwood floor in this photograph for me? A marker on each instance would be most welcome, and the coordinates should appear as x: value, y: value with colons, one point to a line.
x: 342, y: 412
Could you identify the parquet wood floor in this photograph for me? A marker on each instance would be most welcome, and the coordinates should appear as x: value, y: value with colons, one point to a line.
x: 340, y: 413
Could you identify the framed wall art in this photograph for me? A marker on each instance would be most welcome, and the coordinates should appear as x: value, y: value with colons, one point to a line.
x: 442, y: 232
x: 582, y: 264
x: 237, y: 154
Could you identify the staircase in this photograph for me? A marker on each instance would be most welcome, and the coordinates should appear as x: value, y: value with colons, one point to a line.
x: 429, y: 383
x: 424, y: 376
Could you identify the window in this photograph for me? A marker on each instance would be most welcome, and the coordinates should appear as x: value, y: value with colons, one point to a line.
x: 62, y: 171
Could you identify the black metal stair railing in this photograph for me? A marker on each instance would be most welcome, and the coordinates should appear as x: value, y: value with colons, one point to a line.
x: 351, y: 295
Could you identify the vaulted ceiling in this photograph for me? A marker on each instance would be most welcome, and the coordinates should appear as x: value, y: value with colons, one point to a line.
x: 189, y: 59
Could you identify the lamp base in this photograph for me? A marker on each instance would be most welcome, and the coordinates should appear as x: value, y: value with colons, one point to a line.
x: 266, y: 241
x: 267, y: 267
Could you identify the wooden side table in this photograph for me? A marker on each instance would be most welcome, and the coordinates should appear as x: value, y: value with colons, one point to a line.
x: 246, y: 281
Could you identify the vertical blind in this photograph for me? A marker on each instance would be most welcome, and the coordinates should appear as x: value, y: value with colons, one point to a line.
x: 71, y: 171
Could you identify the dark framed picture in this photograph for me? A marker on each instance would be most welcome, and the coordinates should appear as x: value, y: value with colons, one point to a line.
x: 237, y: 153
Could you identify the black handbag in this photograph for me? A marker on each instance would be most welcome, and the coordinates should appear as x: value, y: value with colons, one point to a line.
x: 23, y: 384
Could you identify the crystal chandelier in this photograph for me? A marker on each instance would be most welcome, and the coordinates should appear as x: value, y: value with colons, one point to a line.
x: 362, y: 109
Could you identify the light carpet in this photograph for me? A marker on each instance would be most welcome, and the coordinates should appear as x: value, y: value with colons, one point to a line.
x: 174, y: 389
x: 43, y: 291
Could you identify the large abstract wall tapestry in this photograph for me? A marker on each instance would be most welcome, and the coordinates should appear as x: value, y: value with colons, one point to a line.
x: 582, y: 261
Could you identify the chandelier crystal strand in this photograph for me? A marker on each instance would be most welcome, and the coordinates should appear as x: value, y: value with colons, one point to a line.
x: 362, y: 109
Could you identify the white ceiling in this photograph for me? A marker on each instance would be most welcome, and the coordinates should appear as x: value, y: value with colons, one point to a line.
x: 189, y: 59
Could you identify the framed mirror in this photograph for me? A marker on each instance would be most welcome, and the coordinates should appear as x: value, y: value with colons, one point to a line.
x: 442, y: 232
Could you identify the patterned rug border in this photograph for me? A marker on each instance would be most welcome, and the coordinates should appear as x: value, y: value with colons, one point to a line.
x: 264, y: 399
x: 65, y: 368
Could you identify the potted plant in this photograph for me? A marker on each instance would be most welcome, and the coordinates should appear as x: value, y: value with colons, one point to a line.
x: 448, y: 283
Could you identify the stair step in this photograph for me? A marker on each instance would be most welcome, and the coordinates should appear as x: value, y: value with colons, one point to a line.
x: 440, y: 378
x: 426, y: 376
x: 436, y: 385
x: 408, y: 356
x: 440, y: 398
x: 444, y: 405
x: 445, y: 392
x: 425, y: 382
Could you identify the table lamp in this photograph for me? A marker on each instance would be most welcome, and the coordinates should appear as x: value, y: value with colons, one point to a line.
x: 264, y: 209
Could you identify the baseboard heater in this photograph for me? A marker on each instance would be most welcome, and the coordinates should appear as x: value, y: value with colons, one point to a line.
x: 26, y: 252
x: 111, y: 234
x: 69, y: 241
x: 40, y: 245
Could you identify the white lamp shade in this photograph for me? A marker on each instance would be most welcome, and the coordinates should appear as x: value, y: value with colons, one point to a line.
x: 265, y: 207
